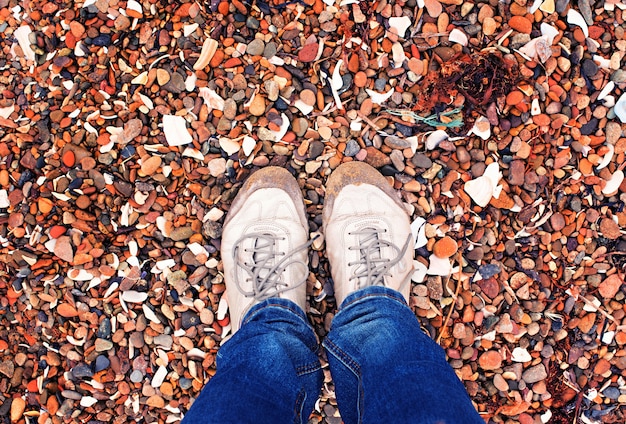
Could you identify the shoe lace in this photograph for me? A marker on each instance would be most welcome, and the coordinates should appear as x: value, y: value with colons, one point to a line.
x: 267, y: 266
x: 372, y: 267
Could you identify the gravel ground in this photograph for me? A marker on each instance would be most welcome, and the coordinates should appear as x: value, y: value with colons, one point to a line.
x: 127, y: 127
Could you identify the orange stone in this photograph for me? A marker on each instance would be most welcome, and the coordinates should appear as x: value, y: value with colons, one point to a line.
x: 514, y: 98
x: 69, y: 159
x: 521, y: 24
x: 57, y: 231
x: 445, y: 247
x: 542, y: 120
x: 490, y: 360
x: 44, y: 205
x: 610, y: 286
x: 360, y: 79
x: 66, y: 310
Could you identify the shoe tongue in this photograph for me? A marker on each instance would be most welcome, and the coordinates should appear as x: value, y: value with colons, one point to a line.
x: 264, y: 252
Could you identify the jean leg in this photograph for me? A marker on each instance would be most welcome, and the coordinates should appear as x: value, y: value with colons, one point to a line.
x: 387, y: 370
x: 269, y: 372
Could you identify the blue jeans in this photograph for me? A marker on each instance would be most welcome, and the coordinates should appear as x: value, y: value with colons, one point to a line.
x: 385, y: 369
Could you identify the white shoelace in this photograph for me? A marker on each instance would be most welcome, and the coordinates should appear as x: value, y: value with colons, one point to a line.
x: 267, y: 267
x: 372, y: 267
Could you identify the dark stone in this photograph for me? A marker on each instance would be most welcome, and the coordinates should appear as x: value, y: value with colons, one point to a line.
x: 189, y: 319
x: 104, y: 329
x: 102, y: 40
x: 316, y: 148
x: 102, y: 363
x: 611, y: 392
x: 405, y: 130
x: 489, y: 270
x: 589, y: 67
x: 421, y: 161
x: 82, y: 371
x: 388, y: 170
x: 212, y: 229
x: 185, y: 383
x: 352, y: 148
x: 590, y: 127
x: 379, y: 84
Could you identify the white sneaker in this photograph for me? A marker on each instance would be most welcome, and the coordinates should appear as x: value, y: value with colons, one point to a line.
x: 367, y: 230
x: 264, y: 243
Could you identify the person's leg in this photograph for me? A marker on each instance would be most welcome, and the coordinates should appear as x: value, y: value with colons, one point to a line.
x: 385, y: 369
x: 268, y: 372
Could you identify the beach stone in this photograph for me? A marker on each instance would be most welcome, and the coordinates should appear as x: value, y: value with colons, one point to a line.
x: 82, y: 371
x: 308, y: 53
x: 181, y: 233
x: 256, y: 47
x: 610, y: 286
x: 490, y: 360
x: 535, y: 374
x: 517, y: 170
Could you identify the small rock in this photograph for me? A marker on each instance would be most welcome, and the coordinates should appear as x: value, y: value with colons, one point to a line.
x: 7, y: 368
x: 181, y: 233
x: 610, y: 286
x: 102, y: 363
x: 82, y: 371
x: 445, y: 247
x: 535, y: 374
x: 490, y: 360
x: 189, y: 319
x: 308, y: 53
x: 256, y: 47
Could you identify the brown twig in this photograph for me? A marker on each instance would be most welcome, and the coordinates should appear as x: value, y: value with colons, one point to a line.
x: 456, y: 294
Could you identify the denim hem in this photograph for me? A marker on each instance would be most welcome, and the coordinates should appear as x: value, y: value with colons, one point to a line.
x: 371, y: 291
x: 275, y: 302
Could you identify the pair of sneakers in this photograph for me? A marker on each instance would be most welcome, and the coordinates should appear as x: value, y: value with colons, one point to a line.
x: 265, y: 238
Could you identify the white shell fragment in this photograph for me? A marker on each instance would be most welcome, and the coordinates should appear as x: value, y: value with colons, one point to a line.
x: 159, y: 377
x: 175, y: 130
x: 620, y: 108
x: 228, y: 145
x: 418, y: 229
x: 458, y: 36
x: 284, y: 127
x: 208, y: 50
x: 379, y: 98
x: 481, y: 128
x: 132, y: 296
x: 22, y: 38
x: 248, y: 145
x: 549, y: 32
x: 211, y: 98
x: 4, y: 199
x: 135, y: 6
x: 607, y: 158
x: 612, y: 185
x: 419, y: 272
x: 483, y: 188
x: 439, y: 266
x: 88, y: 401
x: 398, y: 55
x: 336, y: 82
x: 608, y: 88
x: 520, y: 354
x: 400, y: 25
x: 575, y: 18
x: 140, y: 79
x: 434, y: 138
